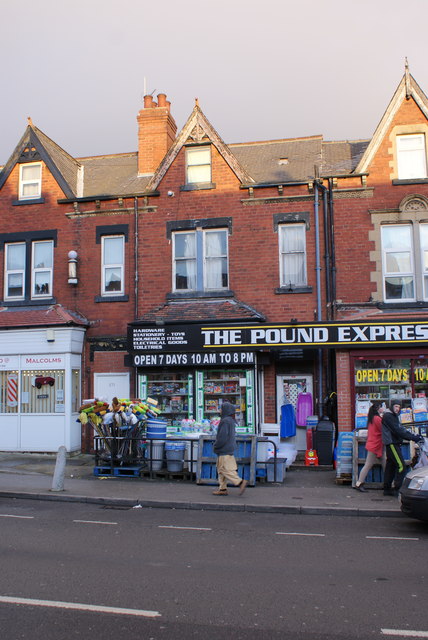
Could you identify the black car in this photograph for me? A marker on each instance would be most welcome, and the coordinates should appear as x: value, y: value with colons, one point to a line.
x: 414, y: 494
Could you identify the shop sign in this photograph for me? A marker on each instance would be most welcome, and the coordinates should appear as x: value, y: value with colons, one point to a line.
x: 193, y: 359
x: 198, y: 337
x: 42, y: 362
x: 9, y: 362
x: 372, y: 376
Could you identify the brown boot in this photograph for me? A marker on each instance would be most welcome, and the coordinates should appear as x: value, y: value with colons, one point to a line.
x: 220, y: 492
x: 242, y: 487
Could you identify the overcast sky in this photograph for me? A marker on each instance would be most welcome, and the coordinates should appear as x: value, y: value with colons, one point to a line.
x: 262, y: 69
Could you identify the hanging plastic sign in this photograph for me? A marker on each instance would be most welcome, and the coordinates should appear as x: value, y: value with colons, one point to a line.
x: 193, y: 359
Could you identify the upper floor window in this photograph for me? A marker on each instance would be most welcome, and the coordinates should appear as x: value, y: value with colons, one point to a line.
x: 292, y: 251
x: 17, y: 266
x: 411, y: 156
x: 113, y: 265
x: 405, y: 262
x: 198, y: 164
x: 30, y: 181
x: 200, y: 260
x: 42, y: 268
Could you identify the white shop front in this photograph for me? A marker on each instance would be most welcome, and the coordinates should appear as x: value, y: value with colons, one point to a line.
x: 40, y: 381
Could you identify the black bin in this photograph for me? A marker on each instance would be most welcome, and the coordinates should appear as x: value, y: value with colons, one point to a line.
x: 324, y: 436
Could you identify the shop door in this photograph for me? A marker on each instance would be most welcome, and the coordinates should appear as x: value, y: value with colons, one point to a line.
x: 289, y: 387
x: 111, y: 385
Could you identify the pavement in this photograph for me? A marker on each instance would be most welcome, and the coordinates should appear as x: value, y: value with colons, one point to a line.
x: 305, y: 490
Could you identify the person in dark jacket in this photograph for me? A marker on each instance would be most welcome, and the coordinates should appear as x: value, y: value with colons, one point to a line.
x: 393, y: 434
x: 224, y: 447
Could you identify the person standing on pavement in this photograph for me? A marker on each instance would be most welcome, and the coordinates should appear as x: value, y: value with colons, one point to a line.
x: 393, y: 434
x: 224, y: 448
x: 374, y: 445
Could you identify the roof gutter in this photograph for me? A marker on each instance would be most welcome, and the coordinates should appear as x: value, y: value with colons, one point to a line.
x: 110, y: 197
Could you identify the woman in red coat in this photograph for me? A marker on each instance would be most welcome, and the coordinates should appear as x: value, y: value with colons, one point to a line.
x: 374, y: 444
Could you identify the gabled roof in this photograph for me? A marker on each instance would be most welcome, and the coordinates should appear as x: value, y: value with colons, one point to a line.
x: 55, y: 315
x: 213, y: 310
x: 408, y: 88
x: 198, y: 129
x: 35, y: 145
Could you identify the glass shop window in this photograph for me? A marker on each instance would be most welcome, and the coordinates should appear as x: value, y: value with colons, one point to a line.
x: 43, y: 391
x: 9, y: 391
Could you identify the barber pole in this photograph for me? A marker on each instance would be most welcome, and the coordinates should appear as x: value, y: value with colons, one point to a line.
x: 12, y: 390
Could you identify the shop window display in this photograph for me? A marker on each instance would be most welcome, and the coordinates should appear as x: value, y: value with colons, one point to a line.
x: 403, y: 379
x: 42, y: 391
x: 8, y: 391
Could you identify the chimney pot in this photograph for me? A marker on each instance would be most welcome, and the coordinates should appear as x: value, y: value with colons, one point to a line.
x: 148, y: 102
x: 161, y: 99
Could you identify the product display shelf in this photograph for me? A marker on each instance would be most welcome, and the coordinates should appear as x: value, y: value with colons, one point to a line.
x: 216, y: 389
x: 172, y: 397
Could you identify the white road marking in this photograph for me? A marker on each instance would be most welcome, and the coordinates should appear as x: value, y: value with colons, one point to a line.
x: 80, y: 607
x: 170, y: 526
x: 404, y: 633
x: 388, y: 538
x: 7, y: 515
x: 94, y: 522
x: 294, y: 533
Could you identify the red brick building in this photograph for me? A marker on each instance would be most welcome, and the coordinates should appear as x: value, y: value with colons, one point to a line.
x: 194, y: 271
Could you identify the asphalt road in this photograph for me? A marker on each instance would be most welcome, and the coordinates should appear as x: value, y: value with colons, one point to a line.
x: 167, y: 574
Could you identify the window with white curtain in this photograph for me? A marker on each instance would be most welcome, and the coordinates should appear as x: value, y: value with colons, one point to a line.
x: 200, y: 260
x: 398, y: 264
x: 14, y: 281
x: 411, y: 156
x: 198, y: 164
x: 113, y: 265
x: 292, y: 251
x: 30, y: 181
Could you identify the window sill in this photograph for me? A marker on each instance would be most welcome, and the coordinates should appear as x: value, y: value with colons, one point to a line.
x: 118, y: 298
x: 28, y: 303
x: 293, y: 289
x: 189, y: 295
x: 411, y: 181
x: 402, y: 305
x: 17, y: 203
x: 198, y: 186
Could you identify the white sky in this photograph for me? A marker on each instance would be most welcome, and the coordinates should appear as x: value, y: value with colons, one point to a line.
x: 262, y: 69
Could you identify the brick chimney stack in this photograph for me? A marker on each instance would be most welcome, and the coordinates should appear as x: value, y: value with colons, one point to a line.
x: 156, y: 133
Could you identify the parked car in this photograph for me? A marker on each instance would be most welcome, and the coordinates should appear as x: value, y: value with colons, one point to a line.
x: 414, y: 494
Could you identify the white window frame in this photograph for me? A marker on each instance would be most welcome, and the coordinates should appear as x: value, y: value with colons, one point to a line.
x: 423, y: 263
x: 411, y: 156
x: 35, y: 270
x: 194, y: 158
x: 201, y: 260
x: 119, y: 266
x: 398, y: 274
x: 285, y: 280
x: 33, y: 181
x: 11, y: 272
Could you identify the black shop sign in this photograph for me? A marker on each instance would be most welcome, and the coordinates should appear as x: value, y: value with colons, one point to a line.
x: 189, y: 339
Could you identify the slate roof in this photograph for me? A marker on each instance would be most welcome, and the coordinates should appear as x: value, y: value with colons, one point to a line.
x: 55, y: 315
x: 342, y: 157
x: 279, y: 161
x: 112, y: 174
x: 219, y: 310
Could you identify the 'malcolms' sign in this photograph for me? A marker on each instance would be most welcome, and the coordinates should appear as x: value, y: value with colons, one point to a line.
x: 199, y: 337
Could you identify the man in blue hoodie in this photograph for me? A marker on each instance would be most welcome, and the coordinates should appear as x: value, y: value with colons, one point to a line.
x: 393, y: 434
x: 224, y: 447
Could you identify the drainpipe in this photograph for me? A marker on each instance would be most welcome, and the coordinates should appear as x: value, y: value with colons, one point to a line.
x: 136, y: 257
x: 327, y: 253
x: 318, y: 286
x: 333, y: 248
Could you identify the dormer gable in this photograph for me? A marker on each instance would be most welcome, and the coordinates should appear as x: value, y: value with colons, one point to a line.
x: 405, y: 135
x: 199, y: 131
x: 36, y: 147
